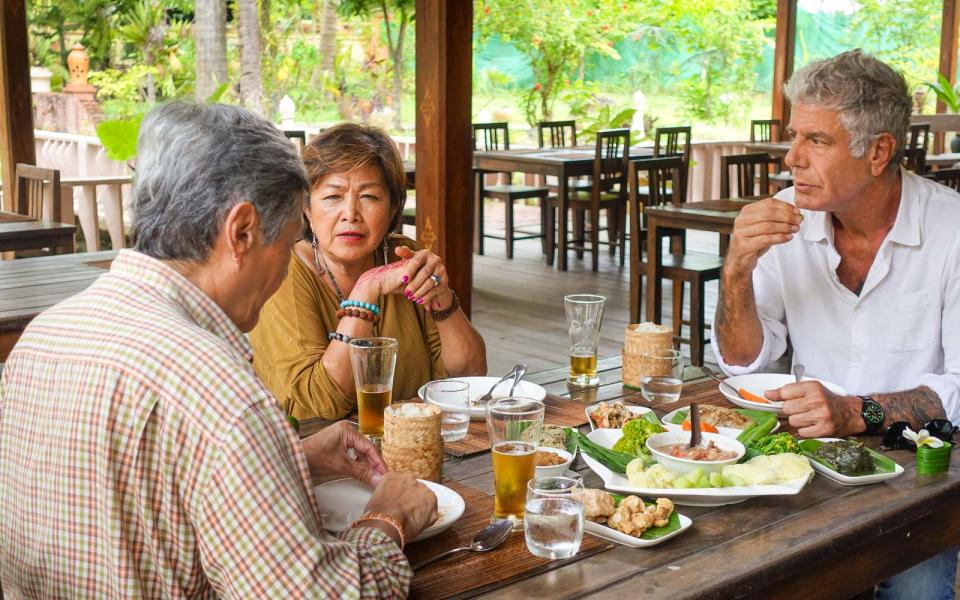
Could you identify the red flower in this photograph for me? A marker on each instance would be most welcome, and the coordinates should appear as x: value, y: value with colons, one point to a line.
x: 605, y: 27
x: 610, y: 43
x: 537, y: 87
x: 589, y: 13
x: 486, y: 10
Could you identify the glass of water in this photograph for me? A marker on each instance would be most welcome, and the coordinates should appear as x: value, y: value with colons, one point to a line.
x: 663, y: 380
x: 448, y: 395
x: 553, y: 525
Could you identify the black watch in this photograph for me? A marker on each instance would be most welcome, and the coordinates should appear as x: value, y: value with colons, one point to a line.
x: 872, y: 414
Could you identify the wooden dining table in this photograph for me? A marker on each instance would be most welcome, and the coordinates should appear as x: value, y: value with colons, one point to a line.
x: 827, y: 541
x: 20, y: 232
x: 561, y: 163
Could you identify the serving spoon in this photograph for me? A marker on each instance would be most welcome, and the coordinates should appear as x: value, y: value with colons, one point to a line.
x: 798, y: 370
x: 489, y: 538
x: 695, y: 433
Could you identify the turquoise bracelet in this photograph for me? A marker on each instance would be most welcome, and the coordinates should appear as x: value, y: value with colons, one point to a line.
x: 365, y: 305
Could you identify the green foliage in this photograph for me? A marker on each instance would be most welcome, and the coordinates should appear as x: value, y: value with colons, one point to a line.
x: 119, y: 137
x: 901, y: 33
x: 946, y: 93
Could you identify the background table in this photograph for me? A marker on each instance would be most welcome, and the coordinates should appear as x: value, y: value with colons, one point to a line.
x: 20, y: 232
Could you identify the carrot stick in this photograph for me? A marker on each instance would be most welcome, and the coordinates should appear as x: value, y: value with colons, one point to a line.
x: 752, y: 397
x: 686, y: 426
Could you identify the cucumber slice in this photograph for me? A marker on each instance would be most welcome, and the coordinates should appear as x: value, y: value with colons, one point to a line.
x: 733, y: 480
x: 716, y: 479
x: 682, y: 483
x: 704, y: 482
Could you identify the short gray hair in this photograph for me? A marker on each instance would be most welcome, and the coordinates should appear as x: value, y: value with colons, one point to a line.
x: 195, y: 162
x: 871, y: 97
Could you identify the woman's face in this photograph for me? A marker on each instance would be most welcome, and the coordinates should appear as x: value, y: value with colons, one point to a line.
x: 350, y: 213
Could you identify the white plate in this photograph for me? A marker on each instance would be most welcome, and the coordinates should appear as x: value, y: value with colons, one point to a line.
x: 852, y: 479
x: 481, y: 385
x: 637, y: 410
x: 619, y: 537
x: 727, y: 431
x: 343, y: 501
x: 688, y: 496
x: 757, y: 383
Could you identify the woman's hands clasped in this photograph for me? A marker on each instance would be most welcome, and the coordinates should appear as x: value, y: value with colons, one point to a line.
x: 420, y: 276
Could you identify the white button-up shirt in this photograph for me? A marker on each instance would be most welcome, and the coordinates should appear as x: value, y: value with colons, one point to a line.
x: 901, y: 332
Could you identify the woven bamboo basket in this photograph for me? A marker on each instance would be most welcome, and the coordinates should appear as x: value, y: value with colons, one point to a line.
x: 412, y: 442
x: 639, y: 339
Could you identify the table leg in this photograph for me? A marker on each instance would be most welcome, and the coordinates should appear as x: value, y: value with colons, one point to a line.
x: 724, y: 243
x: 654, y: 270
x: 563, y: 202
x: 88, y: 218
x: 478, y: 211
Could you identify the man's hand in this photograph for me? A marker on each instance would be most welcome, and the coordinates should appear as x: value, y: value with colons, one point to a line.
x: 326, y: 453
x: 759, y: 226
x: 817, y: 412
x: 401, y: 496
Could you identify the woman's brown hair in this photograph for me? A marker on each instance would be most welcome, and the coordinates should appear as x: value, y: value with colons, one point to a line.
x: 348, y: 146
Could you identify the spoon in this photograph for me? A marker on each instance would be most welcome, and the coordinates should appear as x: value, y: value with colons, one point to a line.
x: 695, y: 433
x: 798, y: 370
x: 709, y: 373
x: 520, y: 371
x: 518, y: 368
x: 489, y: 538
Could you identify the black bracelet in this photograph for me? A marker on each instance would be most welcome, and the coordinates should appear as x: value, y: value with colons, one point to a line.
x: 340, y: 337
x: 440, y: 315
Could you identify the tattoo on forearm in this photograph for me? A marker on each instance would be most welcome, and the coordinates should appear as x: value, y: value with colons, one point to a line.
x: 916, y: 406
x: 721, y: 309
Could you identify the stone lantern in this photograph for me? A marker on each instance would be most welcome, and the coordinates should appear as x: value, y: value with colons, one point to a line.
x: 79, y: 65
x: 287, y: 111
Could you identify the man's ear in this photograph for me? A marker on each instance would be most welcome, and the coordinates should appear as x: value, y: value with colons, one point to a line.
x: 240, y: 231
x: 881, y: 152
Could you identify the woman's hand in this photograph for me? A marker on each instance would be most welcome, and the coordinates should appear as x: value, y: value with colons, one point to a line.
x: 424, y: 278
x: 327, y: 453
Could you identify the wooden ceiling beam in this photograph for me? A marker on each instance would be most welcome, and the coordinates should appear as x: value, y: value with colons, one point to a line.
x: 16, y: 108
x: 783, y: 55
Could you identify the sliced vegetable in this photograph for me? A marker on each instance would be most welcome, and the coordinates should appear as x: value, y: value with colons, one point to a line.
x: 612, y: 459
x: 752, y: 397
x: 762, y: 425
x: 678, y: 417
x: 686, y: 426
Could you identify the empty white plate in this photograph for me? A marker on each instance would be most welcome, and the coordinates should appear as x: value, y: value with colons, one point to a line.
x: 480, y: 386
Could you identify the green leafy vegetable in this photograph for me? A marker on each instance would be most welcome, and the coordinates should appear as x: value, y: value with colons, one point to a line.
x: 881, y: 463
x: 679, y: 417
x: 612, y: 459
x: 763, y: 424
x: 635, y: 434
x: 774, y: 444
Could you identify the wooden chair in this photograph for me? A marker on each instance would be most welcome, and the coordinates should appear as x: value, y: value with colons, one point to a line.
x: 947, y: 177
x: 299, y: 137
x: 915, y: 153
x: 38, y: 193
x: 561, y: 133
x: 496, y: 136
x: 752, y: 173
x: 607, y: 192
x: 674, y: 141
x: 664, y: 177
x: 765, y: 130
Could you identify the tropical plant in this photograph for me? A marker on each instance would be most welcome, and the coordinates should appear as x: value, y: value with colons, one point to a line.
x: 946, y: 93
x: 210, y: 40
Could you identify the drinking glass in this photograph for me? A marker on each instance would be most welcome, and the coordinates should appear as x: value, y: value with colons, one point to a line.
x: 449, y: 394
x: 513, y: 453
x: 584, y: 315
x: 553, y: 525
x: 373, y: 360
x: 663, y: 380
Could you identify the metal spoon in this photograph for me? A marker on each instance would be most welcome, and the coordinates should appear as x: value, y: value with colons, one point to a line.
x: 710, y: 373
x: 694, y: 425
x: 489, y: 538
x: 798, y: 370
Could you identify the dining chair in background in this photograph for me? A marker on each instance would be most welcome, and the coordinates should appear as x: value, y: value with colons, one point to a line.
x: 674, y: 141
x: 915, y: 152
x: 560, y: 134
x: 38, y: 193
x: 298, y: 137
x: 751, y: 173
x: 492, y: 137
x: 765, y: 130
x: 947, y: 177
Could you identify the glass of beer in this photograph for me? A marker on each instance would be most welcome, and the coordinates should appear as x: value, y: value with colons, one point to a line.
x: 514, y: 452
x: 584, y: 315
x: 373, y: 360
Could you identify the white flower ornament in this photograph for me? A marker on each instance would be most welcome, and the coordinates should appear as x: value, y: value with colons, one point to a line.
x: 923, y: 438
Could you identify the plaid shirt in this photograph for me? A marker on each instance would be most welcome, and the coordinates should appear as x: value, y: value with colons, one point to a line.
x: 141, y: 456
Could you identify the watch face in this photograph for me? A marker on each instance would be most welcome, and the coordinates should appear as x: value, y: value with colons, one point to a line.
x: 872, y: 413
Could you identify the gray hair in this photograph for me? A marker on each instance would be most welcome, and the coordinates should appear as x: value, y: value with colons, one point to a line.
x: 195, y: 162
x: 871, y: 97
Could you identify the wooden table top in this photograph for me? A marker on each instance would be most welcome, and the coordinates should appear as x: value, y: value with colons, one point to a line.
x: 775, y: 148
x: 829, y: 540
x: 21, y: 232
x: 549, y: 156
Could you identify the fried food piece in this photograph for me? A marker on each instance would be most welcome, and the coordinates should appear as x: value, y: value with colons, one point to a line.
x: 632, y: 517
x: 597, y: 504
x: 548, y: 459
x: 662, y: 512
x: 612, y: 415
x: 719, y: 416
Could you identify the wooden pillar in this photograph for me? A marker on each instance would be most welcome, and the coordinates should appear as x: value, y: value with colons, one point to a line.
x: 444, y: 52
x: 16, y: 111
x: 948, y: 56
x: 783, y: 58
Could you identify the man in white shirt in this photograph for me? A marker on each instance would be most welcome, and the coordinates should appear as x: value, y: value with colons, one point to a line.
x: 859, y: 263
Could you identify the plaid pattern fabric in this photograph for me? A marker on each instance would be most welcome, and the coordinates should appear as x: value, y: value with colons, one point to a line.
x: 140, y: 456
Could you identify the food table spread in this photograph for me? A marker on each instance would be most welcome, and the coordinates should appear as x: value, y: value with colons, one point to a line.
x: 838, y: 540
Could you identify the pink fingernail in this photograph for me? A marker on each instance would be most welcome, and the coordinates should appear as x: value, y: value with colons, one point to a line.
x: 408, y: 294
x: 405, y: 279
x: 420, y: 301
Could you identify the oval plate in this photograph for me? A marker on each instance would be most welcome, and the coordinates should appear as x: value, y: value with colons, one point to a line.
x: 637, y: 410
x: 852, y: 479
x: 608, y: 533
x: 727, y: 431
x: 757, y: 383
x: 343, y: 501
x: 480, y: 386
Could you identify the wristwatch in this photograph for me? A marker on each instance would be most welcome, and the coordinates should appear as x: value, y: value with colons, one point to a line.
x: 872, y: 414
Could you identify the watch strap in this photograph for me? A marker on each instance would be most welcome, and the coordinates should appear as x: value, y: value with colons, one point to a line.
x: 870, y: 420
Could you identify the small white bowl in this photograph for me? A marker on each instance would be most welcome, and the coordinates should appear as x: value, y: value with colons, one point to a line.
x: 685, y: 465
x: 555, y: 470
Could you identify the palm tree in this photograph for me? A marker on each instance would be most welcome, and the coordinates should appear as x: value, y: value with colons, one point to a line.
x: 210, y: 39
x: 328, y: 35
x: 251, y: 80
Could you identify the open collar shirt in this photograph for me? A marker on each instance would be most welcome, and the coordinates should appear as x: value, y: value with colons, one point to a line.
x: 140, y: 456
x: 901, y: 332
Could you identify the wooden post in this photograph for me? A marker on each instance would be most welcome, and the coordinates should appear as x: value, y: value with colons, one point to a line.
x: 783, y: 58
x: 948, y: 56
x: 444, y: 52
x: 16, y: 111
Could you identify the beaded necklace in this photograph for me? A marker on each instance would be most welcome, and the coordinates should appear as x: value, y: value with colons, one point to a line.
x: 317, y: 259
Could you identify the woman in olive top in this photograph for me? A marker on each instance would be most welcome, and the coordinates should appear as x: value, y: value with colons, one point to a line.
x: 351, y: 278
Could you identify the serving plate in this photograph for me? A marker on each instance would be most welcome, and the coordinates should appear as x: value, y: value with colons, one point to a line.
x: 757, y: 383
x: 684, y: 496
x: 343, y: 501
x: 480, y: 386
x: 637, y: 410
x: 810, y: 449
x: 727, y: 431
x: 619, y: 537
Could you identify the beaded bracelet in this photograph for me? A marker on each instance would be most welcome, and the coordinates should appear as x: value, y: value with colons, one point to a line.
x: 340, y: 337
x: 358, y: 313
x: 375, y: 516
x: 440, y: 315
x: 365, y: 305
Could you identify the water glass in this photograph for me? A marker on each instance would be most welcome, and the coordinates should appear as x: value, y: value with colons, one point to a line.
x: 447, y: 395
x: 373, y: 361
x: 514, y: 450
x: 553, y: 526
x: 663, y: 380
x: 584, y: 316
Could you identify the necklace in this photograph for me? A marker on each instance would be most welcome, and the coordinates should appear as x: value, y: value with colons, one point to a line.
x: 317, y: 259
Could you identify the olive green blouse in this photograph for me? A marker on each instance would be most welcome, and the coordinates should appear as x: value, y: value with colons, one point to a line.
x: 291, y: 337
